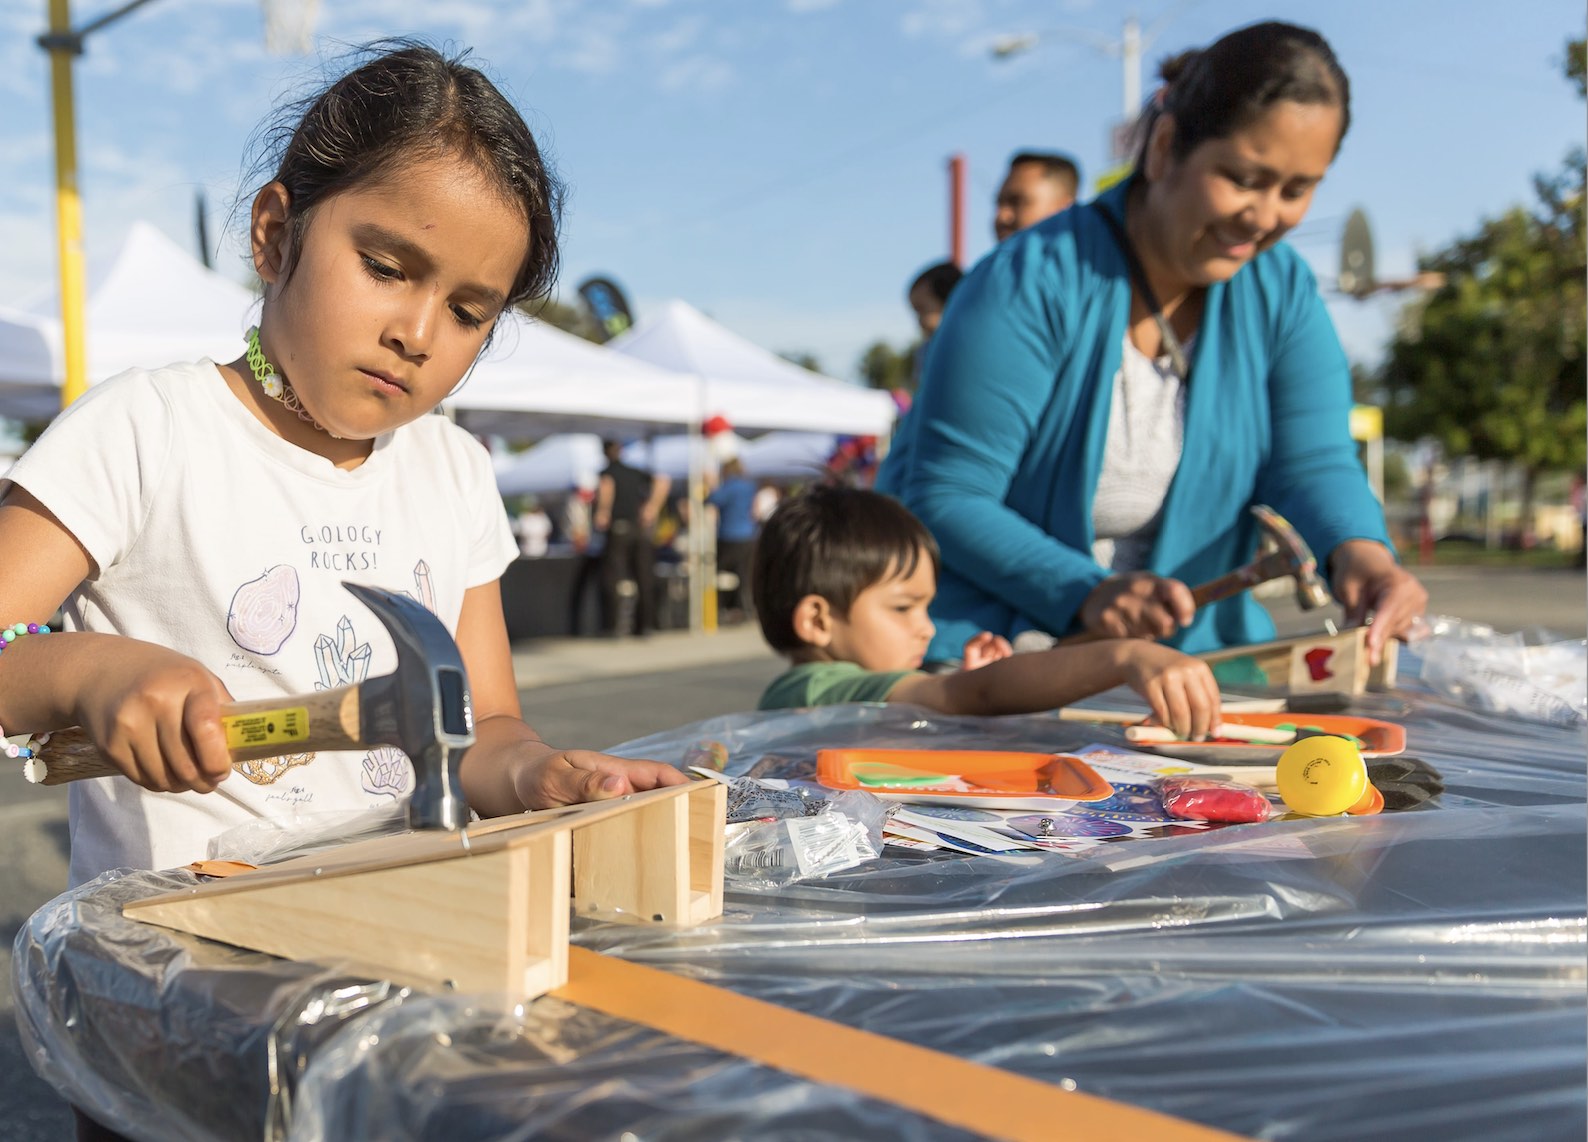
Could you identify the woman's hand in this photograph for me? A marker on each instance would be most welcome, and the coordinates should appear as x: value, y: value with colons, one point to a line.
x: 545, y: 777
x: 1373, y: 588
x: 980, y: 649
x: 1138, y: 604
x: 1180, y: 689
x: 156, y: 716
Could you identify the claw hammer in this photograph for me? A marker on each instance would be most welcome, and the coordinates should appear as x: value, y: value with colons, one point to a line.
x: 421, y: 708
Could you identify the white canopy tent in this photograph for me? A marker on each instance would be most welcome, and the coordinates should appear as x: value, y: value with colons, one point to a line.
x: 755, y: 389
x: 535, y: 379
x: 154, y: 303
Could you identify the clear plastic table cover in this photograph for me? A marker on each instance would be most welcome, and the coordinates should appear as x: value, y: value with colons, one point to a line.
x: 1413, y: 975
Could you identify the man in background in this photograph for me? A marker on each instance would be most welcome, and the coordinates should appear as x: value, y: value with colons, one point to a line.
x: 1039, y: 185
x: 628, y: 502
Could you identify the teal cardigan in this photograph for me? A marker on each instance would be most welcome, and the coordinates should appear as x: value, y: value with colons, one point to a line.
x: 1000, y: 454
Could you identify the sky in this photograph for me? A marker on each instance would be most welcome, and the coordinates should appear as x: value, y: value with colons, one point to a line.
x: 782, y: 164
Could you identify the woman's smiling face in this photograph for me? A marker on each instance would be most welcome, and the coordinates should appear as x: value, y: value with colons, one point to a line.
x: 1230, y: 199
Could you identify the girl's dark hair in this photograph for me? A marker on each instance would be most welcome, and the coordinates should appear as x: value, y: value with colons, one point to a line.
x: 834, y: 542
x: 940, y: 279
x: 1215, y: 91
x: 407, y: 101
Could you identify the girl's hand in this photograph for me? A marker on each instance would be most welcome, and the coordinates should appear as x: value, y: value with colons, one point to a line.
x: 156, y: 716
x: 980, y: 649
x: 547, y: 778
x: 1180, y: 689
x: 1138, y: 604
x: 1372, y: 587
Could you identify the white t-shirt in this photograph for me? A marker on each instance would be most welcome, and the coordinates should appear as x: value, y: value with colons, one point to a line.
x: 1146, y: 434
x: 212, y: 535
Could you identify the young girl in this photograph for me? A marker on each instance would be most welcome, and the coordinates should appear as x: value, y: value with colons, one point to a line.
x: 195, y: 522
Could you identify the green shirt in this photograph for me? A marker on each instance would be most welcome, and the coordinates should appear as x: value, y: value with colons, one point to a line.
x: 828, y: 684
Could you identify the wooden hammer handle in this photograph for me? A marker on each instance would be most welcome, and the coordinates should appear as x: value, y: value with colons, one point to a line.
x: 1274, y: 565
x: 259, y: 728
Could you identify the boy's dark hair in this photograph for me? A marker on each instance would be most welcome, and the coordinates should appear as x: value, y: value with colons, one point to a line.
x: 939, y: 279
x: 408, y: 102
x: 1217, y: 90
x: 1055, y: 165
x: 833, y: 542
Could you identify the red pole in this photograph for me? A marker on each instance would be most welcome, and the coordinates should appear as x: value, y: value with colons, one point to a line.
x: 956, y: 209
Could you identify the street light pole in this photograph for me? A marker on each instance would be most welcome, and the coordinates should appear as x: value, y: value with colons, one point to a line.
x: 1130, y: 55
x: 64, y: 45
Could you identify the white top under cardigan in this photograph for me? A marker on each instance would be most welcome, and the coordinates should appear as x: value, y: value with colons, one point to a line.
x: 1146, y: 432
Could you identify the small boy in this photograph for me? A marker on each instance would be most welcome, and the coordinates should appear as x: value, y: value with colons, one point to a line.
x: 843, y: 578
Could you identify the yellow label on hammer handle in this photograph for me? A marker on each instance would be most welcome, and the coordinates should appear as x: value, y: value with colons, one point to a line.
x: 285, y: 726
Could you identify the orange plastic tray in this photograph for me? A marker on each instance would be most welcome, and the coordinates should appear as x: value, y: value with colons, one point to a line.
x: 992, y: 779
x: 1379, y: 739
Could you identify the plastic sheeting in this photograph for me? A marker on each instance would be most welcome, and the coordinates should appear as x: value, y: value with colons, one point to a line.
x: 1412, y: 975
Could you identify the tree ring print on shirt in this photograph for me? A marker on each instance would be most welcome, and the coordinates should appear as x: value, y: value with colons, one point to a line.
x: 264, y: 611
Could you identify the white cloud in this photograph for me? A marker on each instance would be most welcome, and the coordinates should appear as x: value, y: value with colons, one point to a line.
x: 696, y: 72
x: 945, y: 18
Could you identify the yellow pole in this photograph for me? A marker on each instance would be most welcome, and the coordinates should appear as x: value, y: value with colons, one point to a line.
x: 68, y: 205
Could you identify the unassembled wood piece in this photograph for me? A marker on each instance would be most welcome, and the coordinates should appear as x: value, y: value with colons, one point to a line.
x: 484, y: 909
x: 1315, y: 664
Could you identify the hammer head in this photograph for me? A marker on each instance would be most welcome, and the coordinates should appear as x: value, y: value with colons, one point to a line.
x: 422, y: 707
x: 1310, y: 590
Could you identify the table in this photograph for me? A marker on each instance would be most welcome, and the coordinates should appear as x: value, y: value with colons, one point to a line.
x: 1413, y: 975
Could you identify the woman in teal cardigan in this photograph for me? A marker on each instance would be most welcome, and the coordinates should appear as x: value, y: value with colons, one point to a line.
x: 1015, y: 443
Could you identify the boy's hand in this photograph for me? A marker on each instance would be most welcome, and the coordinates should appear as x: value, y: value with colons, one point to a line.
x: 569, y: 777
x: 1181, y: 690
x: 156, y: 716
x: 980, y: 649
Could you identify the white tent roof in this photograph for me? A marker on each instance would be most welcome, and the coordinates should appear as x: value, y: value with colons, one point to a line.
x: 756, y: 390
x: 155, y: 303
x: 536, y: 379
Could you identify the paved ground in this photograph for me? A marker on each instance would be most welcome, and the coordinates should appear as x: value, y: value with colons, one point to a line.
x: 598, y: 693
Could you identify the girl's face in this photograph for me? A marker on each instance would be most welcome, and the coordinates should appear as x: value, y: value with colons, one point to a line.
x: 1230, y: 199
x: 887, y: 627
x: 396, y: 287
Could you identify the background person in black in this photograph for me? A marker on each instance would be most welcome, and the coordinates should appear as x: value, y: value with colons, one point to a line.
x: 627, y: 503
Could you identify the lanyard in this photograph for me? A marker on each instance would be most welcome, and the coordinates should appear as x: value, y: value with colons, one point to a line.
x: 1171, y: 343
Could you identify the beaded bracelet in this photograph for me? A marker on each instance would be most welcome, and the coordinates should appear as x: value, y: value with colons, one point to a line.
x: 22, y: 746
x: 8, y: 635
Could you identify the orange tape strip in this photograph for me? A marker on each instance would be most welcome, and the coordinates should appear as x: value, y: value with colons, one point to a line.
x: 961, y: 1093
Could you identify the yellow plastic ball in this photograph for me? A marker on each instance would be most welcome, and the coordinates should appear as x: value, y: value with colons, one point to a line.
x: 1321, y: 776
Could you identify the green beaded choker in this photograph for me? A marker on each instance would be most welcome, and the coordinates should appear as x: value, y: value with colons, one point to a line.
x: 275, y: 385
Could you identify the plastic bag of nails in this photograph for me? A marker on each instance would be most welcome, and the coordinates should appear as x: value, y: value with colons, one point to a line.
x: 1531, y: 674
x: 780, y: 832
x: 1206, y: 799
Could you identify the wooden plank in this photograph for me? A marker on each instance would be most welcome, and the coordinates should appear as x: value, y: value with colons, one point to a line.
x: 708, y: 808
x: 440, y: 925
x: 635, y: 867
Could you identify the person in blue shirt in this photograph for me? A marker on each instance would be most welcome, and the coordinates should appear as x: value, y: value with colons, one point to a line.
x: 1088, y: 439
x: 734, y: 499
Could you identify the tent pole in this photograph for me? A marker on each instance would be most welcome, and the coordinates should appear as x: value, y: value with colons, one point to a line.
x: 697, y: 571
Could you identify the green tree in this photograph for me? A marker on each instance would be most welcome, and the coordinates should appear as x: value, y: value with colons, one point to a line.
x: 805, y: 361
x: 569, y: 318
x: 884, y: 367
x: 1492, y: 364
